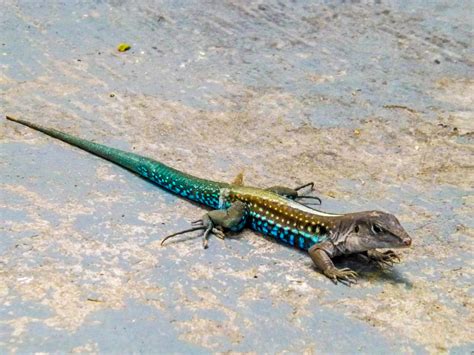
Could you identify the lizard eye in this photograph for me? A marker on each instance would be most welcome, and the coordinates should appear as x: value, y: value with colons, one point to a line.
x: 376, y: 229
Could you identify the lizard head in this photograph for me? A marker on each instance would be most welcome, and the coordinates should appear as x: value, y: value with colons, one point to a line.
x: 372, y: 229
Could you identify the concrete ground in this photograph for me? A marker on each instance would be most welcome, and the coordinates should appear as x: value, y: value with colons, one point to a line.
x: 372, y: 100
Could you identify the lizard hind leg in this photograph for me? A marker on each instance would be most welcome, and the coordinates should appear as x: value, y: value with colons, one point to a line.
x: 205, y: 224
x: 239, y: 179
x: 293, y: 193
x: 305, y: 185
x: 183, y: 232
x: 301, y: 197
x: 214, y: 222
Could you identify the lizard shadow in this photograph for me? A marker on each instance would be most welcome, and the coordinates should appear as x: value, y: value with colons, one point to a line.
x: 366, y: 270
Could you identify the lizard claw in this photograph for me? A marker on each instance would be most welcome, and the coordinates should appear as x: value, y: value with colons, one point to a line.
x: 385, y: 259
x: 310, y: 184
x: 219, y: 233
x: 345, y: 275
x: 302, y: 197
x: 394, y: 258
x: 204, y: 224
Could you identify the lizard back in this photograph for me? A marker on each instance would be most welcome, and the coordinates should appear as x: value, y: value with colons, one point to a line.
x: 284, y: 219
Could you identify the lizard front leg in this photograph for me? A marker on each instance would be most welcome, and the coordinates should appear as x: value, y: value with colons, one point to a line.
x: 293, y: 193
x: 382, y: 259
x: 320, y: 256
x: 215, y: 222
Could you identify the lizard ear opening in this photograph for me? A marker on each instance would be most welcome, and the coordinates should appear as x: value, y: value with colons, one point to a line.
x: 356, y: 228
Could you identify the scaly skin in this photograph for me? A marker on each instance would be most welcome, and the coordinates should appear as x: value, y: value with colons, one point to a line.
x: 272, y: 211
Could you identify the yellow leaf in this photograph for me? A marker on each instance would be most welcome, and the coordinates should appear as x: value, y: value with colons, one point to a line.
x: 122, y: 47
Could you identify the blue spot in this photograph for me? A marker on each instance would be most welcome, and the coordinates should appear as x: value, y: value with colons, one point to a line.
x: 301, y: 240
x: 292, y: 239
x: 306, y: 235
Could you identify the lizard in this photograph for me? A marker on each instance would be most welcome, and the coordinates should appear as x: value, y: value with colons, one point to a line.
x: 273, y: 211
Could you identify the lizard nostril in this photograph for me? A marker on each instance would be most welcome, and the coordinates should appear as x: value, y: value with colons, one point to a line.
x: 407, y: 241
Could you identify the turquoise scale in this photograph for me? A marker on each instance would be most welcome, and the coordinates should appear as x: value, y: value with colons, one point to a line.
x: 192, y: 188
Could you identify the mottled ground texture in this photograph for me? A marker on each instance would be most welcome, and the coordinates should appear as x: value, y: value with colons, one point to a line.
x: 372, y: 100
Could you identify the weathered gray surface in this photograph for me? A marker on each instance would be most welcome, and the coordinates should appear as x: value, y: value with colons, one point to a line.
x: 290, y: 93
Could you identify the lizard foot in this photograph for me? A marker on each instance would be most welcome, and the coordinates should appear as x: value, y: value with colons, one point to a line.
x: 302, y: 197
x: 383, y: 259
x: 293, y: 194
x: 345, y: 275
x: 215, y: 222
x: 310, y: 184
x: 204, y: 224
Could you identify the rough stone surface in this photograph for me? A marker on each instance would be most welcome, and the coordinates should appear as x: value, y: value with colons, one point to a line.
x: 372, y: 100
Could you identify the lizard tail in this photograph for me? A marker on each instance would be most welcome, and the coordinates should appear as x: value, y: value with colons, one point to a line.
x: 199, y: 190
